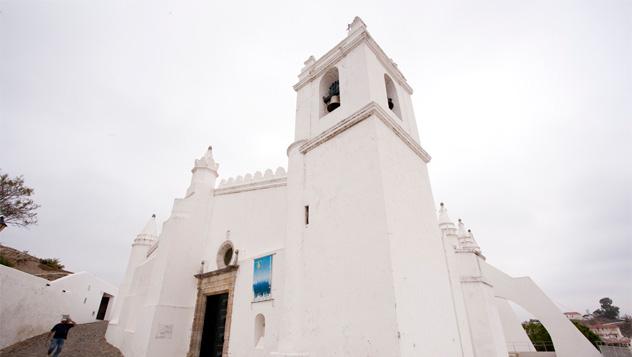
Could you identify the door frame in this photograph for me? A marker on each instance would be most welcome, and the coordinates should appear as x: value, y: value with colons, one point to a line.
x: 107, y: 306
x: 212, y: 283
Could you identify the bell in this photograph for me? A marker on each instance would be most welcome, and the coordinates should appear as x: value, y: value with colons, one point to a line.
x: 334, y: 103
x: 391, y: 105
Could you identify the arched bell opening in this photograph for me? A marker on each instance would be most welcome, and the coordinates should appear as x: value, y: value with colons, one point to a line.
x: 329, y: 91
x: 391, y: 96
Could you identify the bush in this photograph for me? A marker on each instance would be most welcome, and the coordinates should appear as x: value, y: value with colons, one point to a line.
x: 538, y: 335
x: 52, y: 263
x: 591, y: 336
x: 541, y: 339
x: 5, y: 261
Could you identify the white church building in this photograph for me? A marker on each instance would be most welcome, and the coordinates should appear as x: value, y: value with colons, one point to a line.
x: 343, y: 255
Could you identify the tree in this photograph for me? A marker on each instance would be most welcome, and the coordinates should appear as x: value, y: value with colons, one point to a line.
x: 541, y: 339
x: 591, y: 336
x: 538, y: 335
x: 607, y: 310
x: 16, y: 204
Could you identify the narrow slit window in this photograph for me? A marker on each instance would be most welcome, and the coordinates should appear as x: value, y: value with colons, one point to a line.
x: 306, y: 215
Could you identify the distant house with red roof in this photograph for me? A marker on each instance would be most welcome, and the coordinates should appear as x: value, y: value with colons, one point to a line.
x: 573, y: 315
x: 609, y: 333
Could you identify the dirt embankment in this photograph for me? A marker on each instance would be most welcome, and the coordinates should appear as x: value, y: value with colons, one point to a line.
x: 29, y: 264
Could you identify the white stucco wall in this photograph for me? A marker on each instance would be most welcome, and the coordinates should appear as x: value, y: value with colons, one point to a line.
x: 484, y: 321
x: 30, y: 305
x: 420, y: 276
x: 137, y: 256
x: 163, y: 287
x: 450, y: 244
x: 245, y: 310
x: 348, y: 296
x: 256, y: 221
x: 170, y: 299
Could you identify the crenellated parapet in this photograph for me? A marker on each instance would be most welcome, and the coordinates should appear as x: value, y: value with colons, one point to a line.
x: 248, y: 182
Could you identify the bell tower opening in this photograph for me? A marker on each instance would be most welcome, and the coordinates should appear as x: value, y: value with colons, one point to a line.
x: 329, y: 91
x: 391, y: 96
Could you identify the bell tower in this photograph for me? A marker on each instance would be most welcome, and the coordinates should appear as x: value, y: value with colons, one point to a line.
x: 352, y: 75
x: 365, y: 272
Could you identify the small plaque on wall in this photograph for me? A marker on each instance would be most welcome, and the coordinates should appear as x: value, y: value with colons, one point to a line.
x: 164, y: 332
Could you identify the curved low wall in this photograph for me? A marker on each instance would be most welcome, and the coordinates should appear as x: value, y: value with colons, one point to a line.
x: 30, y: 305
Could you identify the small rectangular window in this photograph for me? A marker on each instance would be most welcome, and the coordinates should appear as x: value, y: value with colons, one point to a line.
x: 306, y: 215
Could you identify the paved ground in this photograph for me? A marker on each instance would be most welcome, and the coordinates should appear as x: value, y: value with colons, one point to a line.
x: 85, y: 340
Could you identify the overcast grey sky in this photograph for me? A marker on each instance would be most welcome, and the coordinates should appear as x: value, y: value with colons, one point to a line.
x: 525, y: 107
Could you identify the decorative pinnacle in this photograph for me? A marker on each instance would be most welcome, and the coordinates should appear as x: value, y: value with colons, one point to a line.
x: 461, y: 228
x: 444, y: 220
x: 209, y: 152
x: 356, y: 24
x: 206, y: 161
x: 466, y: 239
x: 307, y: 64
x: 309, y: 61
x: 150, y: 231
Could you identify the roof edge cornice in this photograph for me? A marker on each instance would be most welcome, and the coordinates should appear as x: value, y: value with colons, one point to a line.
x: 341, y: 49
x: 371, y: 109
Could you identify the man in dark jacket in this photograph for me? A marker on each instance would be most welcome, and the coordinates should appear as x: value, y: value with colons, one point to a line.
x: 59, y: 333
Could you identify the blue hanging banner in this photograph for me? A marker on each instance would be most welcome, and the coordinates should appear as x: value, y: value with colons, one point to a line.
x: 262, y: 281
